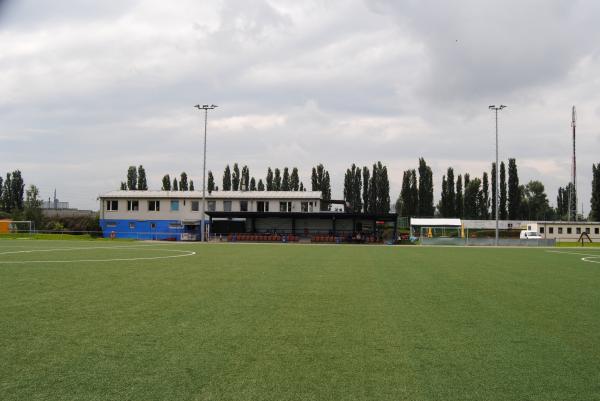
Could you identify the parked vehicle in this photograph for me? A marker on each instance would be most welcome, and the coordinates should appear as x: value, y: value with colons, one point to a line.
x: 525, y: 234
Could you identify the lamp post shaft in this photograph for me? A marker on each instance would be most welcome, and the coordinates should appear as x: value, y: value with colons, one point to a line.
x: 202, y: 223
x: 497, y: 200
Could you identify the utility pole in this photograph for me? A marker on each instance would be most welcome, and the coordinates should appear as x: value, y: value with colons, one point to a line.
x: 493, y: 107
x: 204, y: 107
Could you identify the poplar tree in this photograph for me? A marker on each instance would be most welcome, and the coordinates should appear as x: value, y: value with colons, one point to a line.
x: 320, y: 181
x: 403, y: 204
x: 142, y: 184
x: 7, y: 204
x: 514, y: 192
x: 17, y: 187
x: 485, y: 198
x: 227, y: 179
x: 210, y: 185
x: 357, y: 187
x: 245, y: 178
x: 459, y: 198
x: 494, y: 195
x: 595, y: 200
x: 285, y: 181
x: 502, y: 202
x: 426, y: 208
x: 414, y: 193
x: 301, y: 187
x: 277, y: 180
x: 472, y: 198
x: 235, y: 177
x: 443, y: 205
x: 366, y: 176
x: 384, y: 190
x: 166, y: 183
x: 451, y: 193
x: 261, y: 186
x: 294, y: 180
x: 269, y: 179
x: 252, y: 184
x: 373, y: 190
x: 132, y: 178
x: 123, y: 186
x: 183, y: 182
x: 1, y: 193
x: 175, y: 186
x: 191, y: 185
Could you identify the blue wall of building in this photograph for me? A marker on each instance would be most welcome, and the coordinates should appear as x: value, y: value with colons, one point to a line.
x: 146, y: 230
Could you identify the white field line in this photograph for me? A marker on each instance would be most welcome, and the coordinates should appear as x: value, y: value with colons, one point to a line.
x: 181, y: 254
x: 587, y: 257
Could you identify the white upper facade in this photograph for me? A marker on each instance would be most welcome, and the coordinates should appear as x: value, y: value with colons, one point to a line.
x: 186, y: 205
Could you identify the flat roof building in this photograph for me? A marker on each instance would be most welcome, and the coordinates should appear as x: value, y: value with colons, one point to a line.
x: 177, y: 214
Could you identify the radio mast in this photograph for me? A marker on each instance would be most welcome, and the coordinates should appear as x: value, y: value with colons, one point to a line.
x: 573, y: 191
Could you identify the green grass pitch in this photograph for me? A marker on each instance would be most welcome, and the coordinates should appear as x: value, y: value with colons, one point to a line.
x: 294, y: 322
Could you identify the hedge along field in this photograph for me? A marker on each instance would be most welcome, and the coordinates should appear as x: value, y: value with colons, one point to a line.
x: 295, y: 322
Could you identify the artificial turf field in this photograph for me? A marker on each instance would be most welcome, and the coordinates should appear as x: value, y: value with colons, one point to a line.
x: 296, y: 322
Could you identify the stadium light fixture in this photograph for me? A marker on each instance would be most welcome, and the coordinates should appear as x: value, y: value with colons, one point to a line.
x: 497, y: 200
x: 204, y: 107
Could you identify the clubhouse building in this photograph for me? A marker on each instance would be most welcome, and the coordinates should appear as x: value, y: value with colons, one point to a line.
x: 244, y: 215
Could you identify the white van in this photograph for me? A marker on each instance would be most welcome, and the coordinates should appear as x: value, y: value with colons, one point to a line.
x: 525, y: 234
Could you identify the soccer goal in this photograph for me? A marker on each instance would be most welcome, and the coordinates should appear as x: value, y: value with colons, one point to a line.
x: 22, y: 227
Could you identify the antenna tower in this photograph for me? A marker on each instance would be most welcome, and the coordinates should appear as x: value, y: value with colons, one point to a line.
x: 573, y: 191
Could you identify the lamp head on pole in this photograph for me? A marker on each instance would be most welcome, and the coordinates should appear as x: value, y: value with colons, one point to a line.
x: 206, y: 107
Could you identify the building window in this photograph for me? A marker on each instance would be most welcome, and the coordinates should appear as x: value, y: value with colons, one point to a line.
x: 596, y: 230
x: 551, y: 230
x: 153, y: 225
x: 262, y: 206
x: 529, y: 228
x: 578, y: 230
x: 112, y: 205
x: 133, y: 205
x: 111, y: 224
x: 285, y: 206
x: 560, y: 230
x: 541, y: 230
x: 569, y: 230
x: 174, y: 205
x: 196, y: 206
x: 227, y: 206
x: 243, y: 206
x: 509, y: 225
x: 131, y: 226
x: 304, y: 207
x: 154, y: 206
x: 587, y: 230
x: 212, y: 206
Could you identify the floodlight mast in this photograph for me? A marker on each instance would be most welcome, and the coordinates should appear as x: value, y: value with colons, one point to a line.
x: 204, y: 107
x: 497, y: 200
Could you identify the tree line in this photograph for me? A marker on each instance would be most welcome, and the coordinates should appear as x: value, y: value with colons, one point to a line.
x: 367, y: 191
x: 471, y: 198
x: 19, y: 203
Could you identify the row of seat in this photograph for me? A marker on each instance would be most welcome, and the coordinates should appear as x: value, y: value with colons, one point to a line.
x: 262, y: 237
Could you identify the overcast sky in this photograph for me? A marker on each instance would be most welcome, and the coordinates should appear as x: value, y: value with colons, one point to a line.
x: 88, y: 88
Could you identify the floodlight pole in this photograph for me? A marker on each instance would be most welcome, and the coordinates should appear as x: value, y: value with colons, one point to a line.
x: 493, y: 107
x: 204, y: 107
